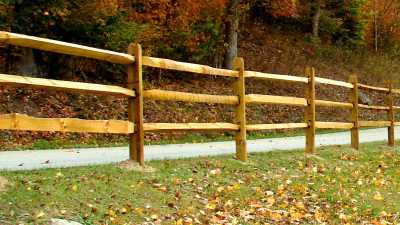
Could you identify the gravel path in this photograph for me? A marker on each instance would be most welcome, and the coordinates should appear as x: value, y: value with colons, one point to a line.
x: 37, y: 159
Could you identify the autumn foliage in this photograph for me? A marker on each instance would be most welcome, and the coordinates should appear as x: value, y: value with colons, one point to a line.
x: 283, y: 8
x: 382, y: 22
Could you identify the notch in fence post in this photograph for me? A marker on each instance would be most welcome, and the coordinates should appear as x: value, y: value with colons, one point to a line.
x: 240, y: 91
x: 310, y: 111
x: 391, y: 118
x: 355, y: 141
x: 135, y: 105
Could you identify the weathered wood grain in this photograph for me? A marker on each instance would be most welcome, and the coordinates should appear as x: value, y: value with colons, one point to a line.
x: 64, y: 48
x: 163, y: 95
x: 321, y: 80
x: 333, y: 125
x: 240, y: 115
x: 190, y: 126
x: 276, y: 126
x: 69, y: 86
x: 325, y: 103
x: 310, y: 111
x: 355, y: 130
x: 135, y: 105
x: 277, y: 100
x: 275, y: 77
x: 187, y: 67
x: 24, y: 122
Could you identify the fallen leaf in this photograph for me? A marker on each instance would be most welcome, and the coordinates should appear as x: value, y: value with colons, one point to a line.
x: 378, y: 196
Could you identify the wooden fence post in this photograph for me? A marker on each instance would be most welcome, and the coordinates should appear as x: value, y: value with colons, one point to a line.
x: 355, y: 141
x: 310, y: 111
x: 240, y: 91
x: 135, y: 105
x: 390, y: 114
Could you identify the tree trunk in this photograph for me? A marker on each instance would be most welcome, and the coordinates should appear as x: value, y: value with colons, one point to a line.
x: 316, y: 19
x: 375, y: 27
x: 231, y: 33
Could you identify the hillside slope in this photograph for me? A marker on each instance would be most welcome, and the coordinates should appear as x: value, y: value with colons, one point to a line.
x: 264, y: 48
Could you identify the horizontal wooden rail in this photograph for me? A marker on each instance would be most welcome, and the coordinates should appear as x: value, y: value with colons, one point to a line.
x: 187, y: 67
x: 64, y: 48
x: 269, y: 76
x: 368, y: 87
x: 190, y: 126
x: 396, y: 91
x: 333, y: 125
x: 374, y: 107
x: 23, y: 122
x: 190, y: 97
x: 321, y: 80
x: 374, y: 123
x: 276, y: 126
x: 39, y: 83
x: 278, y: 100
x: 333, y: 104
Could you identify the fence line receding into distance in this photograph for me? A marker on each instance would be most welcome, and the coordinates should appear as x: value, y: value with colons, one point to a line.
x: 135, y: 126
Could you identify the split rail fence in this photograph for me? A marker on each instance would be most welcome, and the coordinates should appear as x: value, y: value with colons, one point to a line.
x: 135, y: 126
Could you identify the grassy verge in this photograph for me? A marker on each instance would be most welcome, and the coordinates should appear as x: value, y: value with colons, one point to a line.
x: 42, y: 144
x: 339, y: 185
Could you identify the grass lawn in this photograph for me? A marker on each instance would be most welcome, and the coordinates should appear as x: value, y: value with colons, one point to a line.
x: 339, y: 185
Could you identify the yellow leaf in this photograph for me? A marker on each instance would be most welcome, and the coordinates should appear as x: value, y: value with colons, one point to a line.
x: 179, y: 222
x: 211, y: 206
x: 258, y: 189
x: 124, y: 210
x: 228, y: 203
x: 163, y: 189
x: 233, y: 187
x: 271, y: 200
x: 296, y: 216
x: 154, y: 217
x: 176, y: 181
x: 380, y: 182
x: 378, y: 196
x: 236, y: 186
x: 111, y: 213
x: 40, y: 215
x: 74, y: 188
x: 59, y: 174
x: 220, y: 189
x: 319, y: 216
x: 276, y: 216
x: 139, y: 210
x: 300, y: 205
